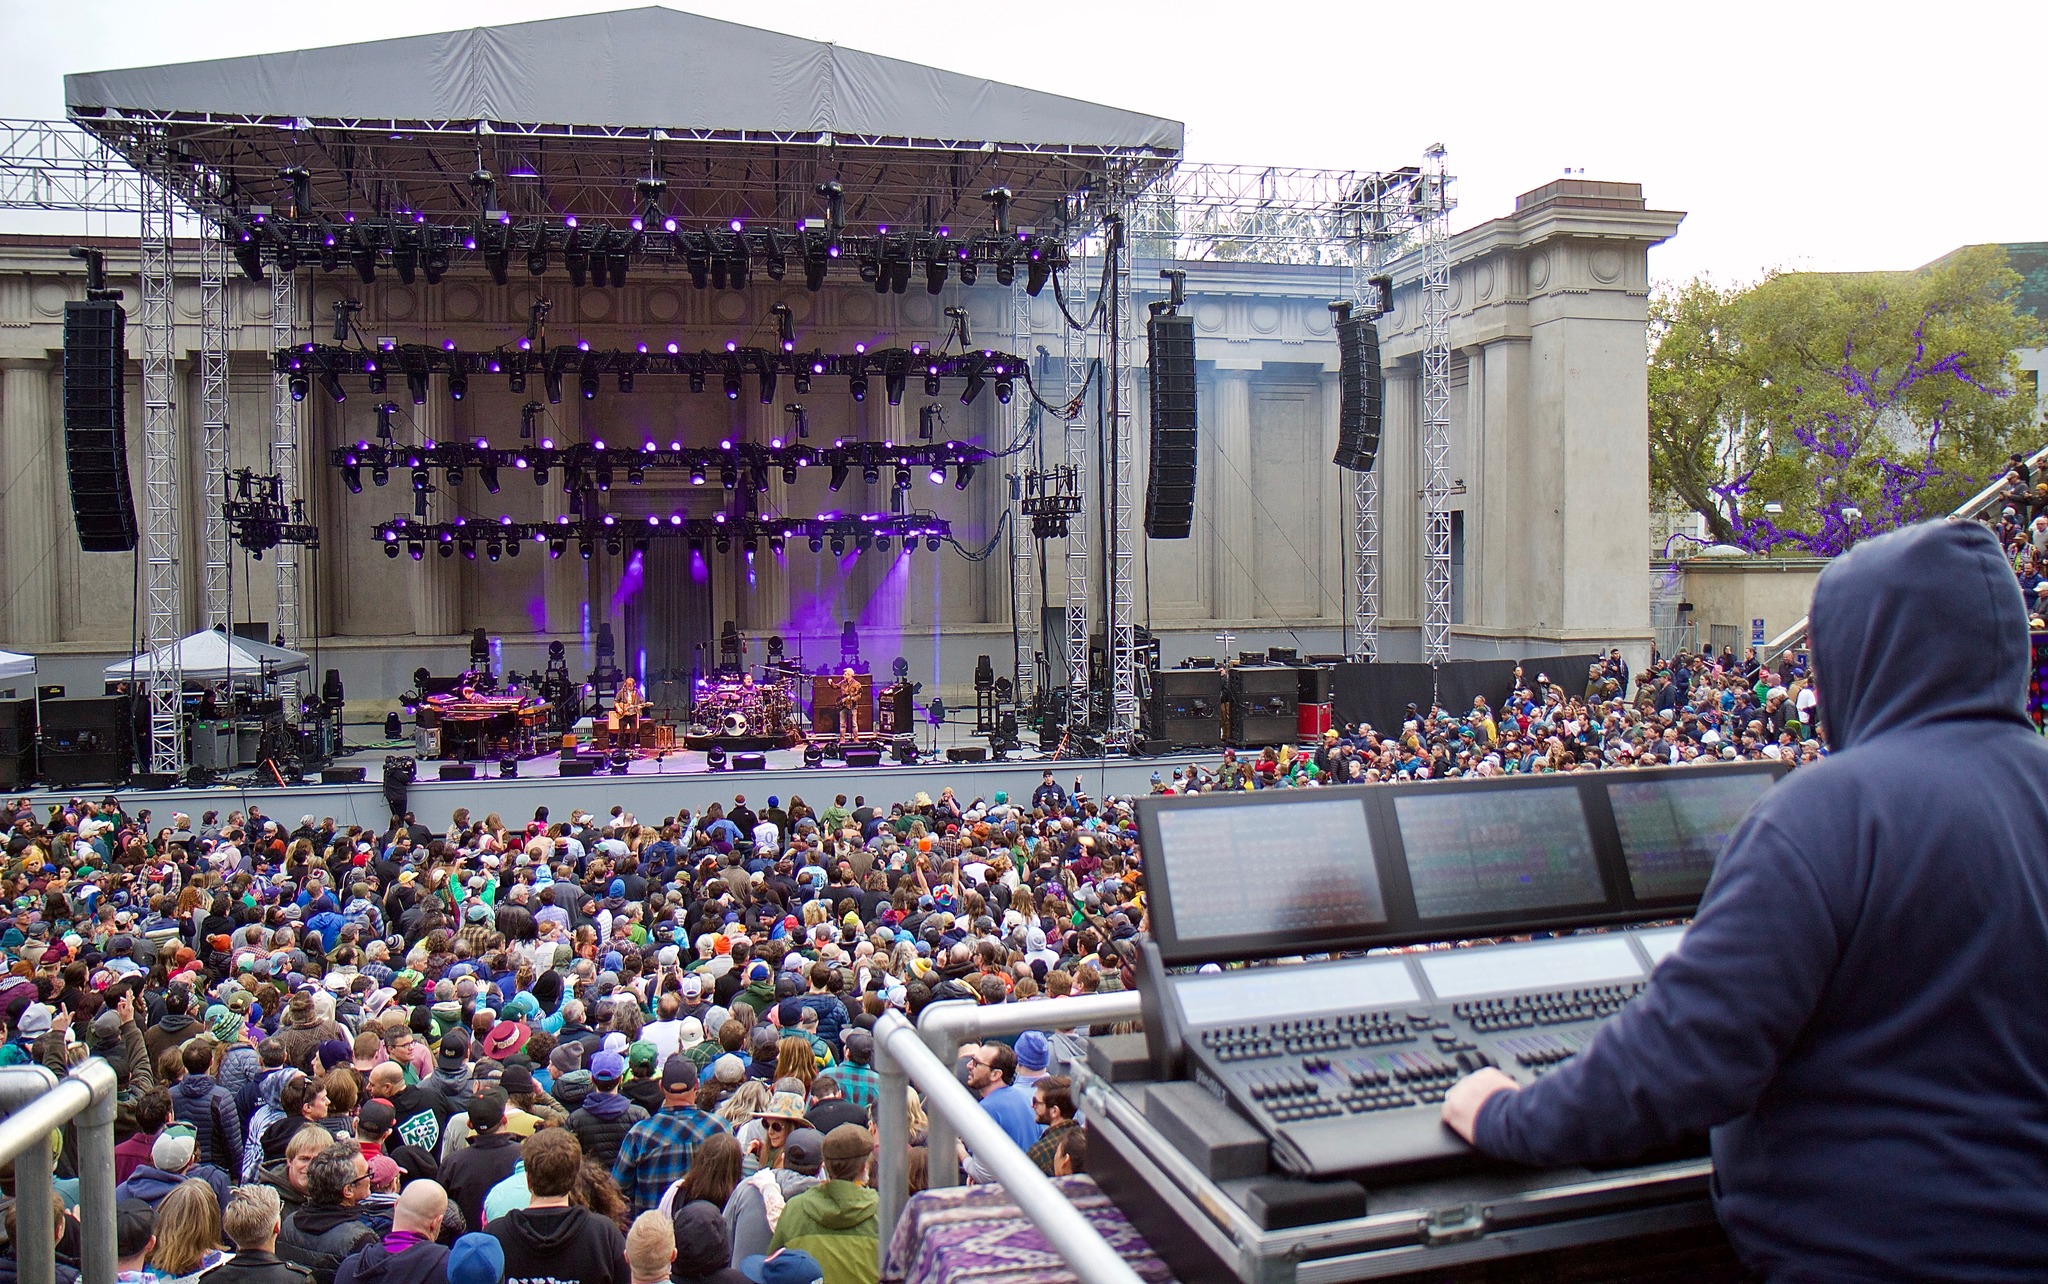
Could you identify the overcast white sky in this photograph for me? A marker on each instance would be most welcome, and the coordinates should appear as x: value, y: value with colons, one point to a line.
x: 1795, y: 134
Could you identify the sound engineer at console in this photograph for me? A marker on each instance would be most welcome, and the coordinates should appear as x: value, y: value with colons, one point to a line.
x: 1857, y: 1012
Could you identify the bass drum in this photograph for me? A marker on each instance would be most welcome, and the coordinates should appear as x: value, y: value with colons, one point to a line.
x: 735, y: 723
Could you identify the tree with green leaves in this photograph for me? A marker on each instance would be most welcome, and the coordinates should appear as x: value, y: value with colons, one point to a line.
x: 1854, y: 402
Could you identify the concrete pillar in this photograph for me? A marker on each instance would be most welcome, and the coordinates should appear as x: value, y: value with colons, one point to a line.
x: 437, y: 589
x: 1334, y: 500
x: 1400, y: 502
x: 1233, y: 528
x: 35, y: 521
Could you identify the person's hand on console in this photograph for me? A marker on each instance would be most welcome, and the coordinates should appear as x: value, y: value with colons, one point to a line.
x: 1462, y: 1102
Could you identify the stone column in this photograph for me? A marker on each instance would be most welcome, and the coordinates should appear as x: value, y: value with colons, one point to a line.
x: 437, y: 589
x: 32, y: 477
x: 1235, y: 556
x: 1335, y: 529
x: 1400, y: 500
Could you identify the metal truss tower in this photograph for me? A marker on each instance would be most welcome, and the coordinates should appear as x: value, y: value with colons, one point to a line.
x: 163, y: 583
x: 1366, y: 264
x: 1024, y: 614
x: 1077, y: 438
x: 1436, y: 410
x: 213, y: 419
x: 284, y: 461
x: 1120, y: 560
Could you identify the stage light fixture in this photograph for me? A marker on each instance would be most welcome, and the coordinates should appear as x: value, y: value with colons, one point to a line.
x: 416, y: 550
x: 299, y: 384
x: 862, y: 542
x: 871, y: 272
x: 380, y: 382
x: 454, y: 475
x: 1004, y: 387
x: 584, y: 548
x: 931, y: 543
x: 970, y: 270
x: 458, y: 382
x: 447, y: 550
x: 515, y: 375
x: 247, y: 249
x: 938, y: 475
x: 767, y: 385
x: 635, y: 475
x: 814, y: 755
x: 729, y: 477
x: 899, y: 273
x: 362, y: 256
x: 379, y: 476
x: 352, y: 477
x: 759, y: 474
x: 421, y: 480
x: 816, y: 261
x: 975, y: 383
x: 600, y: 257
x: 697, y: 475
x: 817, y: 543
x: 537, y: 256
x: 488, y: 474
x: 603, y: 476
x: 391, y: 551
x: 894, y: 377
x: 778, y: 263
x: 494, y: 550
x: 575, y: 257
x: 698, y: 260
x: 330, y: 383
x: 512, y: 546
x: 931, y: 381
x: 615, y: 264
x: 497, y: 254
x: 586, y: 381
x: 434, y: 259
x: 839, y: 546
x: 1006, y: 267
x: 723, y: 544
x: 626, y: 379
x: 857, y: 384
x: 557, y: 547
x: 1036, y: 270
x: 902, y: 477
x: 732, y: 385
x: 839, y: 475
x: 934, y: 275
x: 330, y: 247
x: 881, y: 543
x: 962, y: 476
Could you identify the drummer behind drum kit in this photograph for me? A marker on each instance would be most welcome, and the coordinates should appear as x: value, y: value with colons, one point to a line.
x: 740, y: 713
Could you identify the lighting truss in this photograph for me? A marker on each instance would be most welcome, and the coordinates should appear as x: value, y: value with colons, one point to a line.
x: 579, y: 464
x: 1435, y: 206
x: 163, y: 589
x: 615, y: 534
x: 997, y: 370
x: 725, y: 253
x: 258, y: 519
x: 1052, y: 499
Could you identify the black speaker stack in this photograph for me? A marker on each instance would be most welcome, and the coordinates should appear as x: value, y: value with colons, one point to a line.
x: 17, y: 743
x: 1361, y: 390
x: 1170, y: 483
x: 1186, y: 708
x: 95, y: 426
x: 85, y: 741
x: 866, y: 757
x: 1264, y: 702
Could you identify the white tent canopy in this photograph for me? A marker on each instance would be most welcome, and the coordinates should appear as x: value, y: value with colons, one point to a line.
x: 16, y: 666
x: 210, y: 656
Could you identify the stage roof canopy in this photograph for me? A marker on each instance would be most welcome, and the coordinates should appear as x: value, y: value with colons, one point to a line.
x: 741, y: 122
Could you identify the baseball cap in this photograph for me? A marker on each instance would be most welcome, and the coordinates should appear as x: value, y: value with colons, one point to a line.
x: 174, y: 1148
x: 487, y: 1109
x: 803, y: 1151
x: 135, y: 1222
x: 642, y: 1055
x: 454, y: 1048
x: 784, y: 1266
x: 679, y: 1072
x: 377, y: 1115
x: 477, y: 1258
x: 607, y: 1067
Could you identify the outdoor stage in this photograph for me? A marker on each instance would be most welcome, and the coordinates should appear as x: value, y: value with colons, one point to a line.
x: 651, y: 788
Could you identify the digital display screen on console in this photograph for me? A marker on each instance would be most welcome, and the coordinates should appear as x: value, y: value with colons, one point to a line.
x: 1481, y: 852
x: 1303, y: 868
x: 1673, y: 829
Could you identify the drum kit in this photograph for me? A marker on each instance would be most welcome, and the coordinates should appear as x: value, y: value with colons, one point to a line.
x: 741, y: 708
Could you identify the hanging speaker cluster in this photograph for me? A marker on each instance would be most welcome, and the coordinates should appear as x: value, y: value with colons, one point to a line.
x: 1170, y: 483
x: 1358, y: 378
x: 95, y: 426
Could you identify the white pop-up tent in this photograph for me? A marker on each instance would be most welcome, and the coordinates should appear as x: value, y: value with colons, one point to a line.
x: 213, y: 656
x: 13, y: 665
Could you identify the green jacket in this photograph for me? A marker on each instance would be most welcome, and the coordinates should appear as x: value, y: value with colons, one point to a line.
x: 834, y: 1222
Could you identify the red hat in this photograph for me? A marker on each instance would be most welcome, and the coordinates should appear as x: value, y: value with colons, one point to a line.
x: 505, y: 1039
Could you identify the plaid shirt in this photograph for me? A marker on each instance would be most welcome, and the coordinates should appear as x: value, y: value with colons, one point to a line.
x: 858, y: 1082
x: 656, y: 1152
x: 1047, y: 1147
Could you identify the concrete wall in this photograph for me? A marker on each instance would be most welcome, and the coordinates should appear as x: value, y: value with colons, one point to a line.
x: 1737, y: 591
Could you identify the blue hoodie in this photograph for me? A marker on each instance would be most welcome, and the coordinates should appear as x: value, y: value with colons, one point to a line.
x: 1856, y: 1012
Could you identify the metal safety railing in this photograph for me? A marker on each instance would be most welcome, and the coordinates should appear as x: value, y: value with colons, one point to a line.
x: 1969, y: 509
x: 923, y: 1055
x: 36, y: 1104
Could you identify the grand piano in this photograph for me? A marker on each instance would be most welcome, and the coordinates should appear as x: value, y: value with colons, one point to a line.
x: 476, y: 726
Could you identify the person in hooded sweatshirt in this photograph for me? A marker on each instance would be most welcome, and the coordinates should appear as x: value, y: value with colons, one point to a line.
x: 606, y: 1115
x: 409, y: 1252
x: 756, y: 1204
x: 1852, y: 1011
x: 488, y: 1159
x: 834, y: 1221
x: 550, y: 1241
x: 425, y: 1108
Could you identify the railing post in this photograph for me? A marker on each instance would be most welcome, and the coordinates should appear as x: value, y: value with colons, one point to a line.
x: 892, y: 1127
x: 942, y: 1148
x: 97, y: 1251
x: 34, y: 1197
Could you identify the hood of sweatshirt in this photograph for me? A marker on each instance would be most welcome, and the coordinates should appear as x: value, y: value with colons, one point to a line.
x: 548, y: 1230
x: 607, y: 1105
x: 841, y: 1205
x: 1922, y: 625
x: 415, y: 1265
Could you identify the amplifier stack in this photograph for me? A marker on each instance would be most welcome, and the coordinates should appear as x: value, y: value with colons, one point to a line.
x: 17, y: 743
x: 86, y: 741
x: 1186, y: 709
x: 1265, y: 701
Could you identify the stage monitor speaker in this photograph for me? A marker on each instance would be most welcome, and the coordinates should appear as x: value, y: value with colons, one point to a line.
x: 1361, y: 390
x: 1313, y: 684
x: 863, y: 757
x: 1170, y: 482
x: 967, y: 753
x: 104, y: 767
x: 106, y: 714
x: 341, y: 775
x: 577, y: 767
x: 1264, y: 703
x: 95, y: 426
x: 458, y: 771
x: 750, y: 761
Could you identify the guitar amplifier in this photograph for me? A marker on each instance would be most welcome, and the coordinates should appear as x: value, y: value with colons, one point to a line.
x: 1186, y: 707
x: 1264, y: 700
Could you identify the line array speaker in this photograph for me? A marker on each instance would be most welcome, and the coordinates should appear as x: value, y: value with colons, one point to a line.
x: 95, y: 426
x: 1170, y: 483
x: 1361, y: 391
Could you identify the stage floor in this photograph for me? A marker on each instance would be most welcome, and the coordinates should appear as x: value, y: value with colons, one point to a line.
x: 651, y: 788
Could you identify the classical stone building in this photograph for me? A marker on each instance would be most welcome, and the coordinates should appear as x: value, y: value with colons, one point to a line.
x: 1548, y: 459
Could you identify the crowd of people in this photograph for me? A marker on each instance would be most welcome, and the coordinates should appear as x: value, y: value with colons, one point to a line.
x: 607, y: 1049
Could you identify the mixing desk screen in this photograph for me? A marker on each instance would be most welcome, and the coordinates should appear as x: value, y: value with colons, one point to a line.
x: 1239, y: 870
x: 1673, y: 830
x: 1475, y: 853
